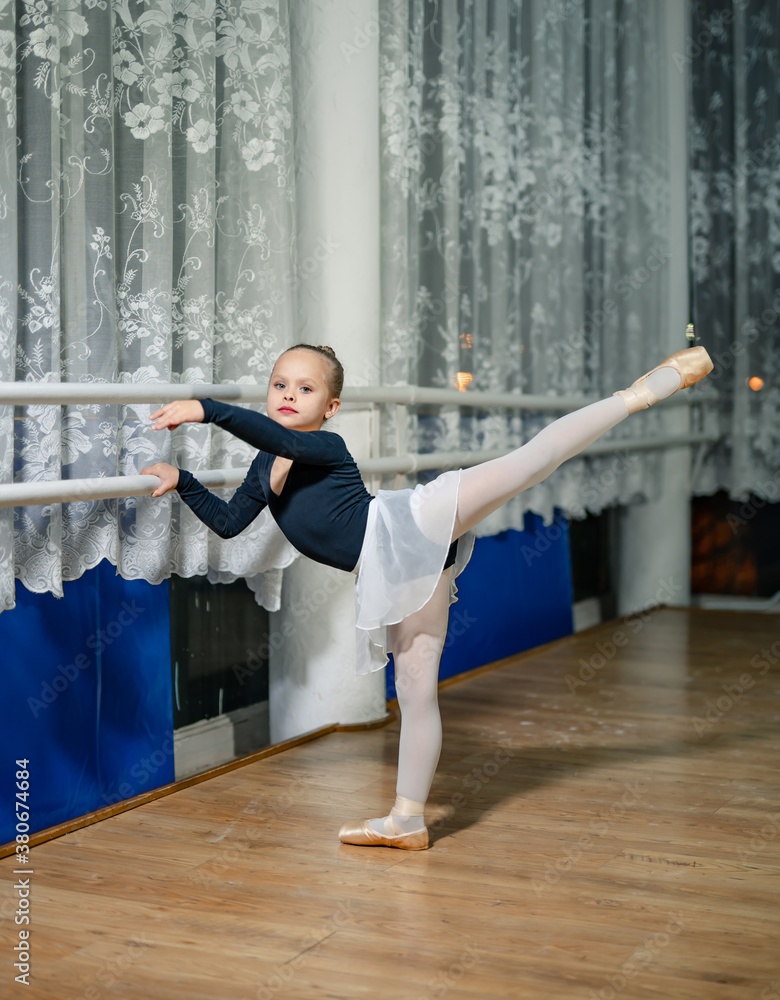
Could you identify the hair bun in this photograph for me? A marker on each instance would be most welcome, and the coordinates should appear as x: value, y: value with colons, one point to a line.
x: 324, y: 347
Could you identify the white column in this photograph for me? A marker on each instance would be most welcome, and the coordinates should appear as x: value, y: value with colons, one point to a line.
x: 335, y: 69
x: 655, y: 537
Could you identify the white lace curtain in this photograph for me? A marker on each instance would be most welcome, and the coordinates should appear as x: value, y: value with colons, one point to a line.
x: 734, y: 198
x: 525, y: 222
x: 147, y: 232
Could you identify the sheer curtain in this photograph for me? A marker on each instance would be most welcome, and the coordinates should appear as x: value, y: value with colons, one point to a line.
x: 146, y: 233
x: 734, y: 198
x: 525, y: 219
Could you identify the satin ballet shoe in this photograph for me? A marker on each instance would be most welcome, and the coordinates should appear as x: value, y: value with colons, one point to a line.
x: 692, y: 365
x: 364, y: 835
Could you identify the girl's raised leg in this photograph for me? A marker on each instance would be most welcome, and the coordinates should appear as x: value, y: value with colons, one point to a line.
x: 484, y: 488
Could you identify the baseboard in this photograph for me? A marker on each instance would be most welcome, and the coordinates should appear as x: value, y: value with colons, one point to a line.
x: 586, y: 613
x: 215, y: 741
x: 735, y: 602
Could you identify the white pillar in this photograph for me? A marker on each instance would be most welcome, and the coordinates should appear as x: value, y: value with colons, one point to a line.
x: 335, y: 69
x: 655, y: 537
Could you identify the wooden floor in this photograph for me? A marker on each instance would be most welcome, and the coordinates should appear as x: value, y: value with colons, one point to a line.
x: 594, y: 841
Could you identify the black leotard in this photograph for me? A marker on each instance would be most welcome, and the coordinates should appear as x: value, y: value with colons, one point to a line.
x: 323, y: 507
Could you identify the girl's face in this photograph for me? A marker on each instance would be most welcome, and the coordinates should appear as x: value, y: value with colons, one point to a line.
x: 298, y: 393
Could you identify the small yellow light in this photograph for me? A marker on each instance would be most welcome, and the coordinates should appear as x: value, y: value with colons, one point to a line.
x: 464, y: 379
x: 755, y: 383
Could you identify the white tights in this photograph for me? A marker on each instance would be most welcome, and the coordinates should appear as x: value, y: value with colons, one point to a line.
x: 417, y: 641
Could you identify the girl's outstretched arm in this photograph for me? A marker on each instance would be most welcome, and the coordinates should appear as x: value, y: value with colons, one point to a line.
x: 226, y: 518
x: 311, y: 447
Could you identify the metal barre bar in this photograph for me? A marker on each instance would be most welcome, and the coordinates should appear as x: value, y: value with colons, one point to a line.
x: 77, y: 393
x: 70, y: 490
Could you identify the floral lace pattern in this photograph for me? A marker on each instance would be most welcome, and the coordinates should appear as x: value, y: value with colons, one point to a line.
x: 147, y: 234
x: 734, y: 217
x: 524, y: 163
x: 146, y: 228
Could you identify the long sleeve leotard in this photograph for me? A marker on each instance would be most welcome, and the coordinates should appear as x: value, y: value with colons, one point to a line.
x: 323, y: 506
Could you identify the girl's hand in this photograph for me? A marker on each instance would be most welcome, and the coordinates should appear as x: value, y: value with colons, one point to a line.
x: 167, y: 474
x: 181, y: 411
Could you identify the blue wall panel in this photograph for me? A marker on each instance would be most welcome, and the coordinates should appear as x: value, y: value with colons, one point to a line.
x: 86, y: 696
x: 515, y: 593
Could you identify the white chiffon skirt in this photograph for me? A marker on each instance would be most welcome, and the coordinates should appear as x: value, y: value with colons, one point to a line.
x: 408, y: 536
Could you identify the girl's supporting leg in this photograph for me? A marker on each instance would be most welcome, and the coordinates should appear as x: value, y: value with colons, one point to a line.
x: 484, y: 488
x: 417, y: 643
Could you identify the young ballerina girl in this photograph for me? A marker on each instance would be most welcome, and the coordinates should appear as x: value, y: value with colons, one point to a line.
x: 402, y: 545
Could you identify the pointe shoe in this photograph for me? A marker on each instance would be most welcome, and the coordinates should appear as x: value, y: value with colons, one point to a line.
x: 364, y: 835
x: 692, y: 364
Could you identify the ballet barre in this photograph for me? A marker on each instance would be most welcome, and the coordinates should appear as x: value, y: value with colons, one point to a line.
x: 28, y: 394
x: 127, y: 394
x: 112, y: 487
